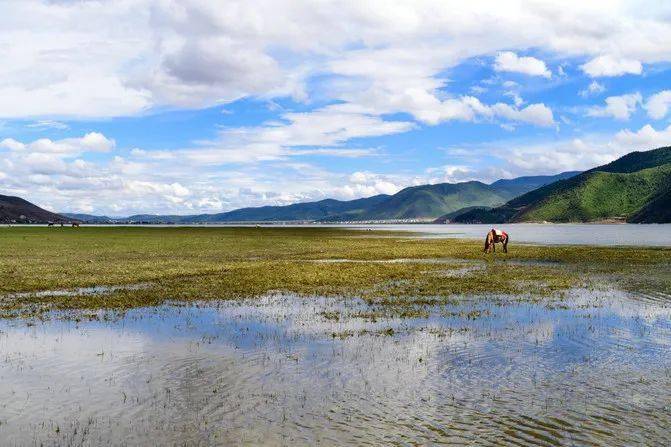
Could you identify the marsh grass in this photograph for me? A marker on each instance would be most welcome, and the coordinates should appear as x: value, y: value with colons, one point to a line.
x: 185, y: 264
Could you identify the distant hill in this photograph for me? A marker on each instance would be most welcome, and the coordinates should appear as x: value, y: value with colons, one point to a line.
x: 89, y: 218
x: 505, y: 189
x: 424, y: 202
x: 321, y: 210
x: 517, y: 186
x: 430, y: 201
x: 17, y: 210
x: 632, y: 188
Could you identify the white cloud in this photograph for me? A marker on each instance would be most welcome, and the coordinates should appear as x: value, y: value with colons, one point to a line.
x: 366, y: 184
x: 99, y: 59
x: 452, y: 174
x: 511, y: 62
x: 618, y: 107
x: 608, y: 65
x: 322, y: 131
x: 537, y: 114
x: 47, y: 124
x: 658, y: 104
x: 513, y: 158
x: 64, y: 60
x: 644, y: 139
x: 594, y: 88
x: 91, y: 142
x: 67, y: 181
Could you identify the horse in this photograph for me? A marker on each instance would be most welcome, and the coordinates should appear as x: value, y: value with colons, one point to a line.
x: 495, y: 236
x: 50, y: 224
x: 75, y: 224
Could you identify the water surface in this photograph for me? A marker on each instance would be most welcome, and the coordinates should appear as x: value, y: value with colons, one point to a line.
x: 565, y: 234
x: 658, y: 235
x: 591, y: 369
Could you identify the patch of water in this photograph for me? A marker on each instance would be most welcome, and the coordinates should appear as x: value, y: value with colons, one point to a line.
x: 591, y: 369
x: 95, y: 290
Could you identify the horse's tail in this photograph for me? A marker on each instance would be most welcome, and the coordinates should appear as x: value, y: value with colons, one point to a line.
x: 487, y: 242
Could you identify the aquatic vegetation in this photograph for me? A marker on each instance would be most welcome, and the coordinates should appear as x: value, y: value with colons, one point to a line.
x: 277, y: 369
x: 185, y: 264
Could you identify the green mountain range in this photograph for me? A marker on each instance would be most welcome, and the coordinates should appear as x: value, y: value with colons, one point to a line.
x: 633, y: 188
x: 424, y: 202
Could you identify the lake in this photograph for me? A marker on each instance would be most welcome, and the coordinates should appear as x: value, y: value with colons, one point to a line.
x: 592, y: 368
x: 658, y: 235
x: 580, y: 234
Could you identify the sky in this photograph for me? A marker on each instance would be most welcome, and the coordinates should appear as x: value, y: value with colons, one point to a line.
x: 201, y: 106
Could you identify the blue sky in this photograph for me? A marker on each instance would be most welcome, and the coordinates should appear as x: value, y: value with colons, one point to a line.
x: 165, y: 106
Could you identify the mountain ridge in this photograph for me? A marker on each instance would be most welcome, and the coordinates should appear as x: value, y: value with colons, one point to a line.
x: 421, y: 202
x: 18, y: 210
x: 631, y: 188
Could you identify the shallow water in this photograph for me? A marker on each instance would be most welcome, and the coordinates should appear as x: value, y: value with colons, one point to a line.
x: 564, y: 234
x: 654, y: 235
x: 95, y: 290
x: 594, y: 368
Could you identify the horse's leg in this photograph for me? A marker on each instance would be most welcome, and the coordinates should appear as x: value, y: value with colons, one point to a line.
x: 505, y: 245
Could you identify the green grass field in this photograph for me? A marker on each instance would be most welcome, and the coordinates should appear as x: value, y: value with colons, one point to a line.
x: 186, y: 264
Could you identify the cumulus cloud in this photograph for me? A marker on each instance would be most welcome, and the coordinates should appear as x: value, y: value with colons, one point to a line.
x: 618, y: 107
x: 61, y: 174
x: 366, y: 184
x: 575, y: 154
x: 91, y: 142
x: 658, y: 104
x: 431, y: 110
x: 643, y: 139
x: 360, y: 70
x: 608, y: 65
x: 511, y: 62
x: 194, y: 53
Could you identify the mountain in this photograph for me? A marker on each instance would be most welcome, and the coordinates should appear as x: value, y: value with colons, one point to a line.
x: 17, y: 210
x: 517, y: 186
x: 447, y: 218
x: 89, y: 218
x: 308, y: 211
x: 321, y: 210
x: 658, y: 210
x: 505, y: 189
x: 424, y: 202
x: 430, y: 201
x: 632, y: 188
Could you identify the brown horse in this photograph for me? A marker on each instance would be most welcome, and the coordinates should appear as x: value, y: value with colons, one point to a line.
x: 75, y: 224
x: 495, y: 236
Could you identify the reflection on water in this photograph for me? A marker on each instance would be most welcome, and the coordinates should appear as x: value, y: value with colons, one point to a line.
x: 594, y: 369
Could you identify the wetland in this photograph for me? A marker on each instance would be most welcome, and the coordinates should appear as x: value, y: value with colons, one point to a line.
x: 188, y: 336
